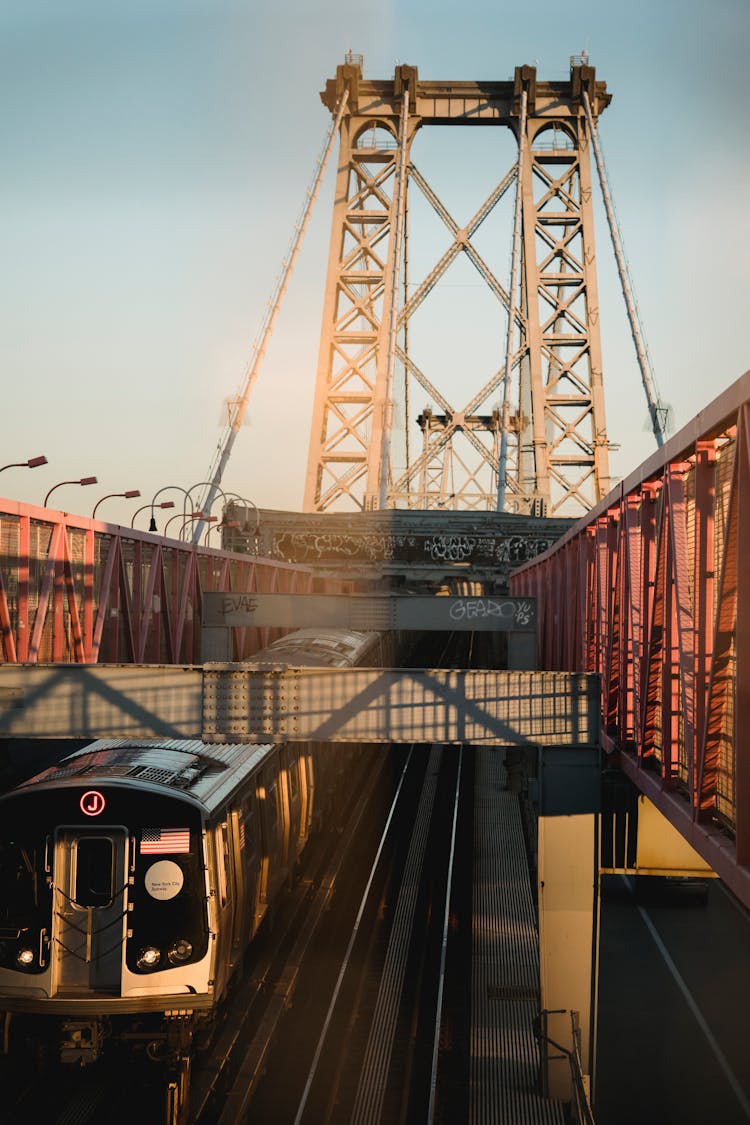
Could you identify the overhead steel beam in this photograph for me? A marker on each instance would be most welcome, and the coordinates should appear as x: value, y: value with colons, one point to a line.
x: 371, y: 611
x: 235, y: 703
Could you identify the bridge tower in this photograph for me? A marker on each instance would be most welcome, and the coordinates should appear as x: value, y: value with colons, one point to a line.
x: 544, y: 447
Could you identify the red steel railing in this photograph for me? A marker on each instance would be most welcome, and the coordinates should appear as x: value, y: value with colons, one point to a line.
x: 74, y: 589
x: 652, y: 591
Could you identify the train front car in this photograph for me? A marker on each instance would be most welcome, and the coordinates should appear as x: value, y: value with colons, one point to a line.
x: 327, y: 648
x: 105, y: 899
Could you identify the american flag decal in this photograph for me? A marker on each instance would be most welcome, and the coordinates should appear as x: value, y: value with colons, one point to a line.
x: 165, y: 841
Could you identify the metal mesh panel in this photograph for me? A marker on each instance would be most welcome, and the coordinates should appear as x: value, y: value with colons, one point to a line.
x: 690, y: 530
x: 9, y: 548
x: 40, y: 535
x: 76, y: 553
x: 725, y: 802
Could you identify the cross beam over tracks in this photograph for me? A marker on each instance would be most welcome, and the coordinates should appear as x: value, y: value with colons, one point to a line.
x: 232, y: 703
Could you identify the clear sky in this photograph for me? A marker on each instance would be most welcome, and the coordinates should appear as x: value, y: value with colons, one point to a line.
x: 156, y: 156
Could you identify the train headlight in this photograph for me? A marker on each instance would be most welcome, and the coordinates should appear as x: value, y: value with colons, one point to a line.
x: 25, y: 958
x: 149, y: 957
x: 180, y: 951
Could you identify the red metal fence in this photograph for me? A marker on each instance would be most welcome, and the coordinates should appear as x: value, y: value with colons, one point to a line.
x: 652, y: 591
x: 78, y: 590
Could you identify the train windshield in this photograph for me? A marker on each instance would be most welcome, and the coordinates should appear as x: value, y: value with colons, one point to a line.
x: 25, y: 901
x: 20, y: 879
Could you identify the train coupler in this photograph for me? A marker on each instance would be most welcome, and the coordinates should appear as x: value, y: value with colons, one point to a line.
x: 81, y: 1042
x: 179, y: 1028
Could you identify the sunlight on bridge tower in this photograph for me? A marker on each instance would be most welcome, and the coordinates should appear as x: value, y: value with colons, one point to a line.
x: 529, y: 434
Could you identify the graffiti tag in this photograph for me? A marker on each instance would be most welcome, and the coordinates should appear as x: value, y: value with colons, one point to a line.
x: 474, y: 609
x: 238, y: 603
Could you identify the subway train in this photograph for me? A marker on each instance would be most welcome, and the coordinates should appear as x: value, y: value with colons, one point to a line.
x: 134, y: 874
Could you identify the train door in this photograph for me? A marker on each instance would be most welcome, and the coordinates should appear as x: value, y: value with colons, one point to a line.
x: 260, y: 843
x: 89, y: 910
x: 272, y: 828
x: 297, y: 826
x: 236, y: 842
x: 224, y: 903
x: 306, y: 788
x: 284, y: 798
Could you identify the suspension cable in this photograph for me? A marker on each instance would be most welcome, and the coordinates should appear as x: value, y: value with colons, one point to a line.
x: 655, y: 408
x: 239, y: 405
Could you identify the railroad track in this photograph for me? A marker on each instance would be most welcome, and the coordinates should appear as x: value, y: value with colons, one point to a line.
x: 379, y: 1026
x: 222, y: 1078
x: 378, y: 1030
x: 354, y: 1005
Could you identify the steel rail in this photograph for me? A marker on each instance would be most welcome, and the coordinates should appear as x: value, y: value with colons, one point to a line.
x: 349, y: 949
x: 373, y: 1077
x: 444, y: 948
x: 255, y: 1055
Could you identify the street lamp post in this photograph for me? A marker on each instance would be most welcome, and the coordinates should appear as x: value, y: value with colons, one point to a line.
x: 185, y: 492
x: 244, y: 500
x: 216, y: 491
x: 137, y: 512
x: 212, y: 493
x: 82, y: 481
x: 224, y: 523
x: 196, y: 516
x: 186, y: 520
x: 129, y: 495
x: 32, y: 463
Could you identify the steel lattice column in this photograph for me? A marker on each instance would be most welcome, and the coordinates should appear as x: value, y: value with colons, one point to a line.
x: 563, y: 440
x: 556, y: 447
x: 351, y: 409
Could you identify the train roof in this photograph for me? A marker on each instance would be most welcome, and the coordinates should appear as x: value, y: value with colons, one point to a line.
x: 317, y: 647
x: 207, y: 772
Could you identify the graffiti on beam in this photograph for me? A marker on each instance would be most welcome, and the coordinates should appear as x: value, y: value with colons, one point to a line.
x: 238, y: 603
x: 506, y: 611
x: 311, y: 546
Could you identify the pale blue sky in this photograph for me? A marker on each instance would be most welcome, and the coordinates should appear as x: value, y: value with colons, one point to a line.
x: 156, y: 158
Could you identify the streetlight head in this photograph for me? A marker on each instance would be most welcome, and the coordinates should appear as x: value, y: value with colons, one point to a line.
x: 166, y: 504
x: 88, y: 480
x: 35, y: 462
x: 131, y: 493
x: 152, y: 525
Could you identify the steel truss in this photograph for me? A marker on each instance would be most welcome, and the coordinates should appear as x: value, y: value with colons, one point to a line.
x: 652, y: 591
x: 555, y: 448
x: 80, y: 591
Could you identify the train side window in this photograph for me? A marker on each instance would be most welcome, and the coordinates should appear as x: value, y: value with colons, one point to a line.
x: 272, y: 809
x: 222, y: 863
x: 293, y: 773
x: 94, y: 871
x: 247, y: 827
